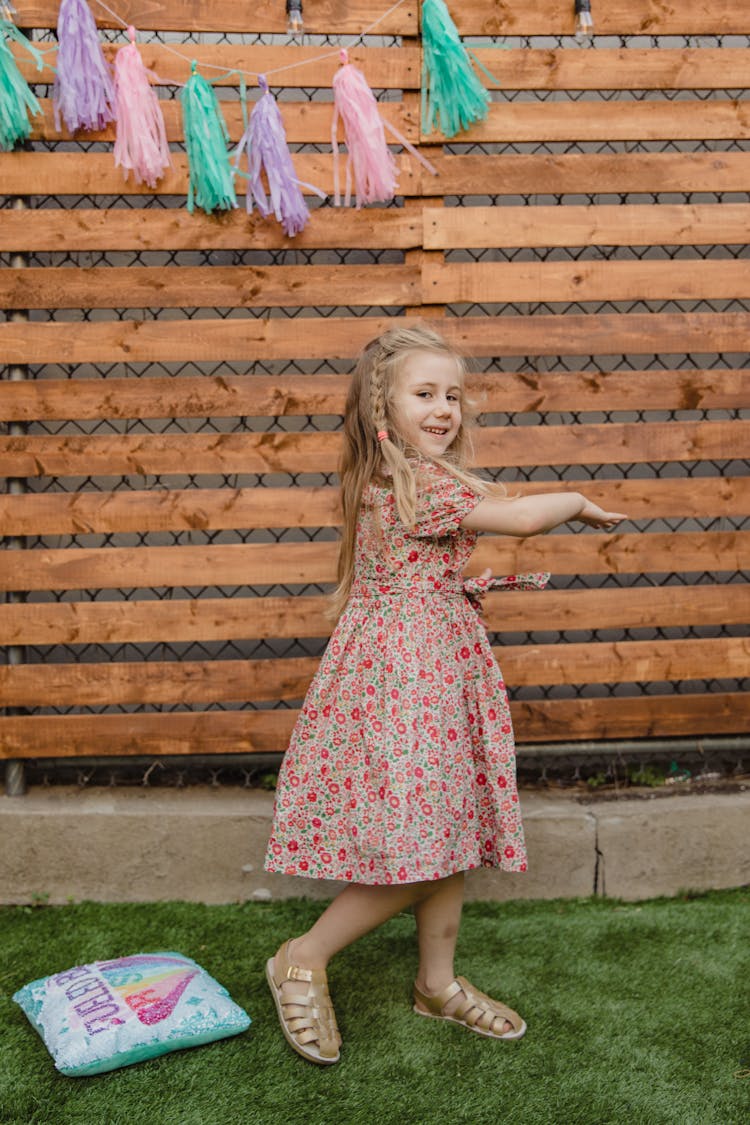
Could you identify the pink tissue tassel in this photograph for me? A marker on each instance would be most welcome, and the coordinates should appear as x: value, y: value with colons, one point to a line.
x: 370, y: 160
x: 83, y: 94
x: 141, y: 144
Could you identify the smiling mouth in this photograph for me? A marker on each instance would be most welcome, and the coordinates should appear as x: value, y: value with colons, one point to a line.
x: 434, y: 431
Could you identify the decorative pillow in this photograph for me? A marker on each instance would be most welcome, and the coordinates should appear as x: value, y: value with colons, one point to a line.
x: 108, y: 1014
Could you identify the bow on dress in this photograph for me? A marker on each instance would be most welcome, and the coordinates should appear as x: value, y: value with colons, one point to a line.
x: 476, y: 588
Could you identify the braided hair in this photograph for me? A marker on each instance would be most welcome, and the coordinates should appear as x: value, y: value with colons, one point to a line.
x: 375, y: 450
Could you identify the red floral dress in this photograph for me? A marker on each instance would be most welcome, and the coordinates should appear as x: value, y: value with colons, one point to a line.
x: 401, y: 767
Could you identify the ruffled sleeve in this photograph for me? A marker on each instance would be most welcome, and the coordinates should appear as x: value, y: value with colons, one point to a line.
x: 442, y: 503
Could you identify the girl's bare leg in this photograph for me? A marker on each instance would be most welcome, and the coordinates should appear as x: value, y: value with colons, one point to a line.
x: 353, y: 913
x: 438, y: 919
x: 359, y: 909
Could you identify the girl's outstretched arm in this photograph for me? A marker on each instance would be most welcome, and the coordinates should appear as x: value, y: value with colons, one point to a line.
x: 523, y: 516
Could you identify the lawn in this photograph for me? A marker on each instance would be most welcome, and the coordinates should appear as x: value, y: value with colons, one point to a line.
x: 636, y: 1013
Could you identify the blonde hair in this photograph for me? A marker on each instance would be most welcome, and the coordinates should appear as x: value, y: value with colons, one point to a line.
x: 367, y: 457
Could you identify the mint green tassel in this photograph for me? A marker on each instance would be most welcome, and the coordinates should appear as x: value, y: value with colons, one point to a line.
x: 17, y: 103
x: 206, y: 136
x: 452, y: 95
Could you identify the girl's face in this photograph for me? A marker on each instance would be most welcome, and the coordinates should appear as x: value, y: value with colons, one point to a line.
x: 426, y: 401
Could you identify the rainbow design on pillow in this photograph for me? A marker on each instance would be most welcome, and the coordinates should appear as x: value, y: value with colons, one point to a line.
x: 150, y: 984
x: 108, y: 1014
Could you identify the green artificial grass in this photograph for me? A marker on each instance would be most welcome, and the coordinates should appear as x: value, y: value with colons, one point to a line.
x: 636, y: 1013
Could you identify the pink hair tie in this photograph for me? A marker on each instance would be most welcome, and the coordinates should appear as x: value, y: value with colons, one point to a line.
x: 382, y: 435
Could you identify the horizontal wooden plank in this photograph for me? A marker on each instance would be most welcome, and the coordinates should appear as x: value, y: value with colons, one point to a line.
x: 241, y: 732
x: 233, y: 396
x: 662, y: 606
x: 574, y: 444
x: 162, y: 621
x: 622, y: 662
x: 82, y: 512
x: 344, y: 17
x: 207, y: 339
x: 266, y: 564
x: 212, y: 732
x: 627, y: 68
x: 589, y: 174
x: 187, y: 681
x: 508, y: 282
x: 616, y: 17
x: 303, y: 66
x: 210, y: 286
x: 652, y: 716
x: 212, y: 509
x: 642, y: 224
x: 124, y: 568
x: 474, y: 17
x: 684, y: 120
x: 76, y: 173
x: 305, y: 122
x: 225, y: 681
x: 439, y: 283
x: 632, y: 68
x: 214, y: 619
x: 157, y: 229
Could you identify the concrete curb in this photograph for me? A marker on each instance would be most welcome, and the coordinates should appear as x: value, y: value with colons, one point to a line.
x: 204, y: 845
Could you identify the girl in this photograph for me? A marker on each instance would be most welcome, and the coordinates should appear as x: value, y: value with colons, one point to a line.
x: 400, y: 774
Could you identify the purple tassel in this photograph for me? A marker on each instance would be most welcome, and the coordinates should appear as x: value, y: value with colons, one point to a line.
x: 264, y: 140
x: 83, y: 93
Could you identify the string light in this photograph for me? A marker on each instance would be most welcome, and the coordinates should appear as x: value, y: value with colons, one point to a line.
x: 294, y: 16
x: 584, y: 20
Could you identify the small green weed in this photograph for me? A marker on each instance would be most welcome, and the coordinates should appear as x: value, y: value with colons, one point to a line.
x: 644, y: 774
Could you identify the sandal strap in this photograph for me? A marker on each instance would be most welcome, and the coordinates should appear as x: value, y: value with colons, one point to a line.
x: 437, y: 1001
x: 481, y: 1010
x: 308, y: 1011
x: 475, y: 1009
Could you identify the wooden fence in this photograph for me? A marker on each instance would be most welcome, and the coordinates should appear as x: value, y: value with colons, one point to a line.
x: 142, y: 388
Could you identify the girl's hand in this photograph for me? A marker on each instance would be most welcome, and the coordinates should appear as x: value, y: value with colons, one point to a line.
x: 594, y: 516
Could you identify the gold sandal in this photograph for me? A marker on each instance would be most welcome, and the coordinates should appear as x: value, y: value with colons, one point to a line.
x: 476, y: 1011
x: 306, y: 1013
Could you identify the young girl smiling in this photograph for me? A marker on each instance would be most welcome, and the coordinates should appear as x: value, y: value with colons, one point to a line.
x: 400, y: 775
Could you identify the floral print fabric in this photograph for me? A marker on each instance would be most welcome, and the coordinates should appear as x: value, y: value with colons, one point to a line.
x: 401, y: 767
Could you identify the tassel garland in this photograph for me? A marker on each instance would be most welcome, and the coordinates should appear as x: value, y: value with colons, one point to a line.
x: 83, y: 94
x: 17, y: 102
x: 264, y: 142
x: 211, y: 185
x: 141, y: 143
x: 452, y: 95
x: 369, y: 161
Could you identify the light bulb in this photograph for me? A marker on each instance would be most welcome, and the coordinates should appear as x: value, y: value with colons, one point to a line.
x: 294, y: 14
x: 584, y: 20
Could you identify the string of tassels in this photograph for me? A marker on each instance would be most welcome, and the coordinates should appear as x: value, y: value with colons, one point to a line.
x: 265, y: 146
x: 88, y: 95
x: 17, y: 103
x: 83, y: 94
x: 141, y: 142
